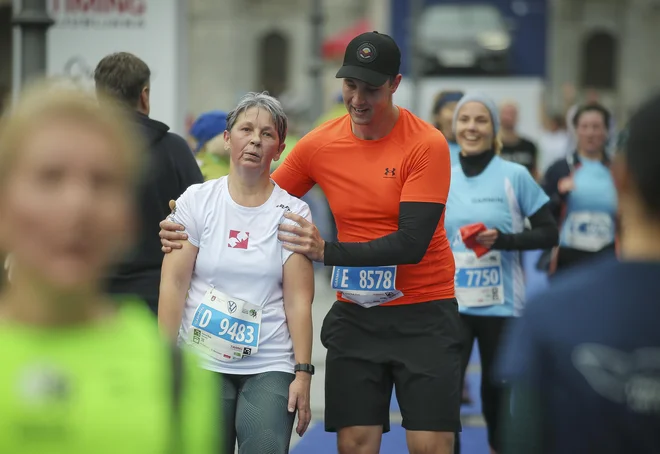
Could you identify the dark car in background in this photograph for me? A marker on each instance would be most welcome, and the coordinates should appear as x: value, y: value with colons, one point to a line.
x: 464, y: 37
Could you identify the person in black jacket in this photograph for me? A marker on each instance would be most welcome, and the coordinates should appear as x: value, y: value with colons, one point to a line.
x: 170, y: 170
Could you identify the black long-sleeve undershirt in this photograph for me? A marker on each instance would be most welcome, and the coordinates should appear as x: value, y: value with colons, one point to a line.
x: 418, y: 222
x: 544, y: 233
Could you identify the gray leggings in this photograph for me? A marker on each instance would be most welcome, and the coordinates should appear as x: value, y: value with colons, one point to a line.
x: 255, y: 413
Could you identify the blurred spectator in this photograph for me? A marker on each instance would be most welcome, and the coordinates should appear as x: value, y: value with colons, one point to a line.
x: 558, y: 135
x: 516, y: 148
x: 443, y: 117
x: 171, y: 169
x: 315, y: 198
x: 338, y: 109
x: 6, y: 260
x: 291, y: 140
x: 554, y: 142
x: 5, y: 93
x: 591, y: 97
x: 69, y: 169
x: 208, y: 143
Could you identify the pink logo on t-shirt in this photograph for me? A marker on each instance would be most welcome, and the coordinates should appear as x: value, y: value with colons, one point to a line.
x: 238, y: 240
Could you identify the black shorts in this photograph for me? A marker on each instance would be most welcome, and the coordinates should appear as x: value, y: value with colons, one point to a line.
x: 417, y: 348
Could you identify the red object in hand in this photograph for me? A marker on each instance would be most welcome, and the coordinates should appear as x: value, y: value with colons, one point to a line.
x: 469, y: 235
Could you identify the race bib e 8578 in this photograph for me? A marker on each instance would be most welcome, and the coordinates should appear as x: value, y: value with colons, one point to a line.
x: 367, y: 286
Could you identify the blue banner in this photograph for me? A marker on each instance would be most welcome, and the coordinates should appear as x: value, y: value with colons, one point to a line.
x: 529, y: 31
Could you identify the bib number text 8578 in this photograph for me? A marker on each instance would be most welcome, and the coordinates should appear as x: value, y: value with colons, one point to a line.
x: 376, y: 279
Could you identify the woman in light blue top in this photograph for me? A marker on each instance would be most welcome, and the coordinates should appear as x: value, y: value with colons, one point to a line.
x: 500, y: 194
x: 583, y: 194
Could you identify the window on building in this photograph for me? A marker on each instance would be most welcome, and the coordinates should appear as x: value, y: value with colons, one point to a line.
x: 599, y: 61
x: 274, y: 62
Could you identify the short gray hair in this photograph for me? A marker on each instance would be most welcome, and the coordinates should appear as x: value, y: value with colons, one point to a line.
x: 263, y: 101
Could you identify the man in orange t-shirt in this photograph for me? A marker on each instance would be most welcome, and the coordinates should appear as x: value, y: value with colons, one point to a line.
x: 386, y: 176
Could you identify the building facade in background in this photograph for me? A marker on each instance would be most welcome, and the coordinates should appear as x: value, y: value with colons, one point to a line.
x: 85, y: 31
x: 265, y: 45
x: 230, y: 47
x: 606, y: 45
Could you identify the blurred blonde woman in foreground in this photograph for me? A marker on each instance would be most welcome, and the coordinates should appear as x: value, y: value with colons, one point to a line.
x: 80, y: 372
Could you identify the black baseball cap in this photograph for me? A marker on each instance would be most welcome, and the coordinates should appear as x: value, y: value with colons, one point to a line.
x: 372, y: 58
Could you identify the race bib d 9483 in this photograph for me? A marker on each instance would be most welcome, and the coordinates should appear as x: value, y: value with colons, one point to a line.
x: 225, y: 328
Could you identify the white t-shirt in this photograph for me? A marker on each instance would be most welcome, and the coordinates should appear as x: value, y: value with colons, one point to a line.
x: 240, y: 256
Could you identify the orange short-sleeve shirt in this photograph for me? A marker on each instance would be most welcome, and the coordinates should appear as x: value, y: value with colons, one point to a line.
x: 364, y: 182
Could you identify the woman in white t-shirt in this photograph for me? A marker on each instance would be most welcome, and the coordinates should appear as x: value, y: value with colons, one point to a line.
x: 235, y: 295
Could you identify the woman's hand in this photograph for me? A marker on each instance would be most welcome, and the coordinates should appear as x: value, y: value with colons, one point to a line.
x: 299, y: 400
x: 487, y: 238
x: 565, y: 185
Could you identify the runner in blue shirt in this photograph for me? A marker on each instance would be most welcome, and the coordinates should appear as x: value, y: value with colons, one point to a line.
x: 500, y: 194
x: 582, y: 191
x: 584, y: 360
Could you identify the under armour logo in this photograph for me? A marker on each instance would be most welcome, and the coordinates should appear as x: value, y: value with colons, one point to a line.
x: 390, y: 173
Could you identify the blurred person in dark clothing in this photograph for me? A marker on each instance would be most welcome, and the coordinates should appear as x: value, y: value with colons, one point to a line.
x: 4, y: 277
x: 170, y: 170
x: 5, y: 93
x: 583, y: 362
x: 443, y: 119
x: 516, y: 148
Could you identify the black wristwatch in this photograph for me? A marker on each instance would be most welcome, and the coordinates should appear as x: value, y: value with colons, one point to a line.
x: 304, y: 368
